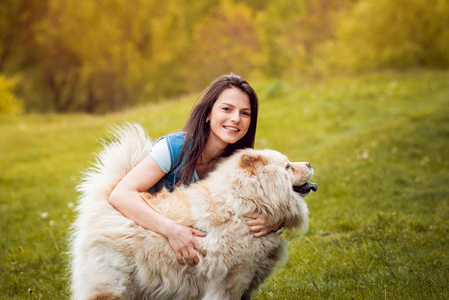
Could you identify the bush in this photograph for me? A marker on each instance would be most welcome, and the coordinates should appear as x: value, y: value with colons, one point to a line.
x: 9, y: 104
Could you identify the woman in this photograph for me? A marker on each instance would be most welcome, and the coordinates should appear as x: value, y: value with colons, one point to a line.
x: 223, y: 121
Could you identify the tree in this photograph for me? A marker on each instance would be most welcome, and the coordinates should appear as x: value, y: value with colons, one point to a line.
x: 225, y: 40
x: 94, y: 54
x: 17, y: 20
x: 294, y: 33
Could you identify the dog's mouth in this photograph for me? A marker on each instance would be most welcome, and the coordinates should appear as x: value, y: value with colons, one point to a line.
x: 305, y: 188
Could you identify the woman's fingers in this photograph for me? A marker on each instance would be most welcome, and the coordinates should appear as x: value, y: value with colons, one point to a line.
x: 199, y: 232
x: 254, y: 222
x: 256, y: 228
x: 256, y: 219
x: 179, y: 258
x: 260, y: 234
x: 191, y: 257
x: 187, y: 253
x: 183, y: 242
x: 252, y: 215
x: 194, y: 257
x: 258, y: 231
x: 188, y: 259
x: 201, y: 250
x: 196, y: 244
x: 260, y: 224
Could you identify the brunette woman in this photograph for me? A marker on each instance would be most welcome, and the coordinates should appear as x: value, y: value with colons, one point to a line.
x: 223, y: 120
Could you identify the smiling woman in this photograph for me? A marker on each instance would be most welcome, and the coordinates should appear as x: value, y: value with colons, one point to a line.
x: 223, y: 121
x: 230, y: 92
x: 229, y: 120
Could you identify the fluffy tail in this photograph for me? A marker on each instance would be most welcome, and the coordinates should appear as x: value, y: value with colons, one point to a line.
x: 128, y: 146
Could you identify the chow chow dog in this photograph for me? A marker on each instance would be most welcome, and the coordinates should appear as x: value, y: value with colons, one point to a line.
x: 113, y: 258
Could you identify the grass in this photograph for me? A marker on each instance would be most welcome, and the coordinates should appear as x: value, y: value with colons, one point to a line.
x: 379, y: 226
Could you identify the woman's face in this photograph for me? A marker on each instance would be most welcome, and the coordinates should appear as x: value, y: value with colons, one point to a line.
x: 229, y: 118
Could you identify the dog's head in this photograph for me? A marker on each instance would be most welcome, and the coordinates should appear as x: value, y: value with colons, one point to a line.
x: 270, y: 184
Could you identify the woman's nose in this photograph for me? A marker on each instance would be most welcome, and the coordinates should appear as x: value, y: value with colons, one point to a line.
x: 235, y: 117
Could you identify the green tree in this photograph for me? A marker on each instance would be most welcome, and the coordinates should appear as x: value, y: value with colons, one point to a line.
x: 94, y: 53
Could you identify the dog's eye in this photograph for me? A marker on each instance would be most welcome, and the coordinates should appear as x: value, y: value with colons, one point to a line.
x: 288, y: 167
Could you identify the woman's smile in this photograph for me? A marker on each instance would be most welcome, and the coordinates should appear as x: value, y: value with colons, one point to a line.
x: 231, y: 128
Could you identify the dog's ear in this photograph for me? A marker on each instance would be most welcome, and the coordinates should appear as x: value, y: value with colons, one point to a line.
x: 249, y: 162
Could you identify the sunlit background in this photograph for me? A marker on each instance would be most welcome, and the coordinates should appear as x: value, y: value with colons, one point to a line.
x: 100, y: 56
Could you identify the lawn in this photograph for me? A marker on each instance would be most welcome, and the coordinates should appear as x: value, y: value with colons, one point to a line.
x: 379, y: 223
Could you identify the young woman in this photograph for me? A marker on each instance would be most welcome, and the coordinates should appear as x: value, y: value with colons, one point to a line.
x: 223, y: 121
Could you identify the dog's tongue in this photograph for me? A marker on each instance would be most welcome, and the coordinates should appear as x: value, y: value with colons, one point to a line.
x: 306, y: 188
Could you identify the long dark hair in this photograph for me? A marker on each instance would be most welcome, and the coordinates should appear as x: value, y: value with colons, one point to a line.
x: 198, y: 129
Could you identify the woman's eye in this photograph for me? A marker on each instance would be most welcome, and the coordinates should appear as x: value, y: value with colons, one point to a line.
x: 246, y: 114
x: 226, y: 109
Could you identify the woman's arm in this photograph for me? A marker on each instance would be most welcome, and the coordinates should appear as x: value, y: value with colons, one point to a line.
x: 127, y: 200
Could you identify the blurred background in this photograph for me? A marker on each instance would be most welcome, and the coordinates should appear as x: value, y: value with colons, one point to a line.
x: 101, y: 56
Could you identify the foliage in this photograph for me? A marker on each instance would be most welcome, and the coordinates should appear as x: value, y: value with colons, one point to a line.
x: 98, y: 56
x: 378, y: 223
x: 18, y: 19
x: 226, y: 40
x: 9, y: 104
x: 100, y: 48
x: 393, y: 34
x: 293, y: 33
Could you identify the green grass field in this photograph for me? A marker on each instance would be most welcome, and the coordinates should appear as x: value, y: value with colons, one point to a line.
x: 379, y: 223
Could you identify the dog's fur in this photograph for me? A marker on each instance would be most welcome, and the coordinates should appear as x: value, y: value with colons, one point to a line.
x: 113, y: 258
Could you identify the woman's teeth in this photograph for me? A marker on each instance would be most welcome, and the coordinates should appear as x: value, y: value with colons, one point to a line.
x: 232, y: 128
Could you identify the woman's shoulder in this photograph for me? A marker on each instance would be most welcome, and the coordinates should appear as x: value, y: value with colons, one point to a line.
x: 166, y: 150
x: 172, y: 136
x: 173, y: 142
x: 180, y: 133
x: 175, y: 139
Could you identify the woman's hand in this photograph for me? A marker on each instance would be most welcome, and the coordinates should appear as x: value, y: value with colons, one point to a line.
x: 260, y: 225
x: 182, y: 240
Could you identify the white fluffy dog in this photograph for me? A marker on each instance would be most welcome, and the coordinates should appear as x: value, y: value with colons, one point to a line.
x: 113, y: 258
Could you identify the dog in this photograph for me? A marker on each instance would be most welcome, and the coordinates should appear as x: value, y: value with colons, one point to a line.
x: 113, y: 258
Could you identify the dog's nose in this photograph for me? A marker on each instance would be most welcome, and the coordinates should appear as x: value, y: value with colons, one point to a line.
x: 308, y: 164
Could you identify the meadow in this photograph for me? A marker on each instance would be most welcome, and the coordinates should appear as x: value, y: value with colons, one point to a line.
x: 379, y: 144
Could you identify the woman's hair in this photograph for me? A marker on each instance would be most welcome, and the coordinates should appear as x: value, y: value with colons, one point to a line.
x: 198, y: 129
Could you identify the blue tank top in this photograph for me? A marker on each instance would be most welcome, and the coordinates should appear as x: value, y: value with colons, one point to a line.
x: 175, y: 141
